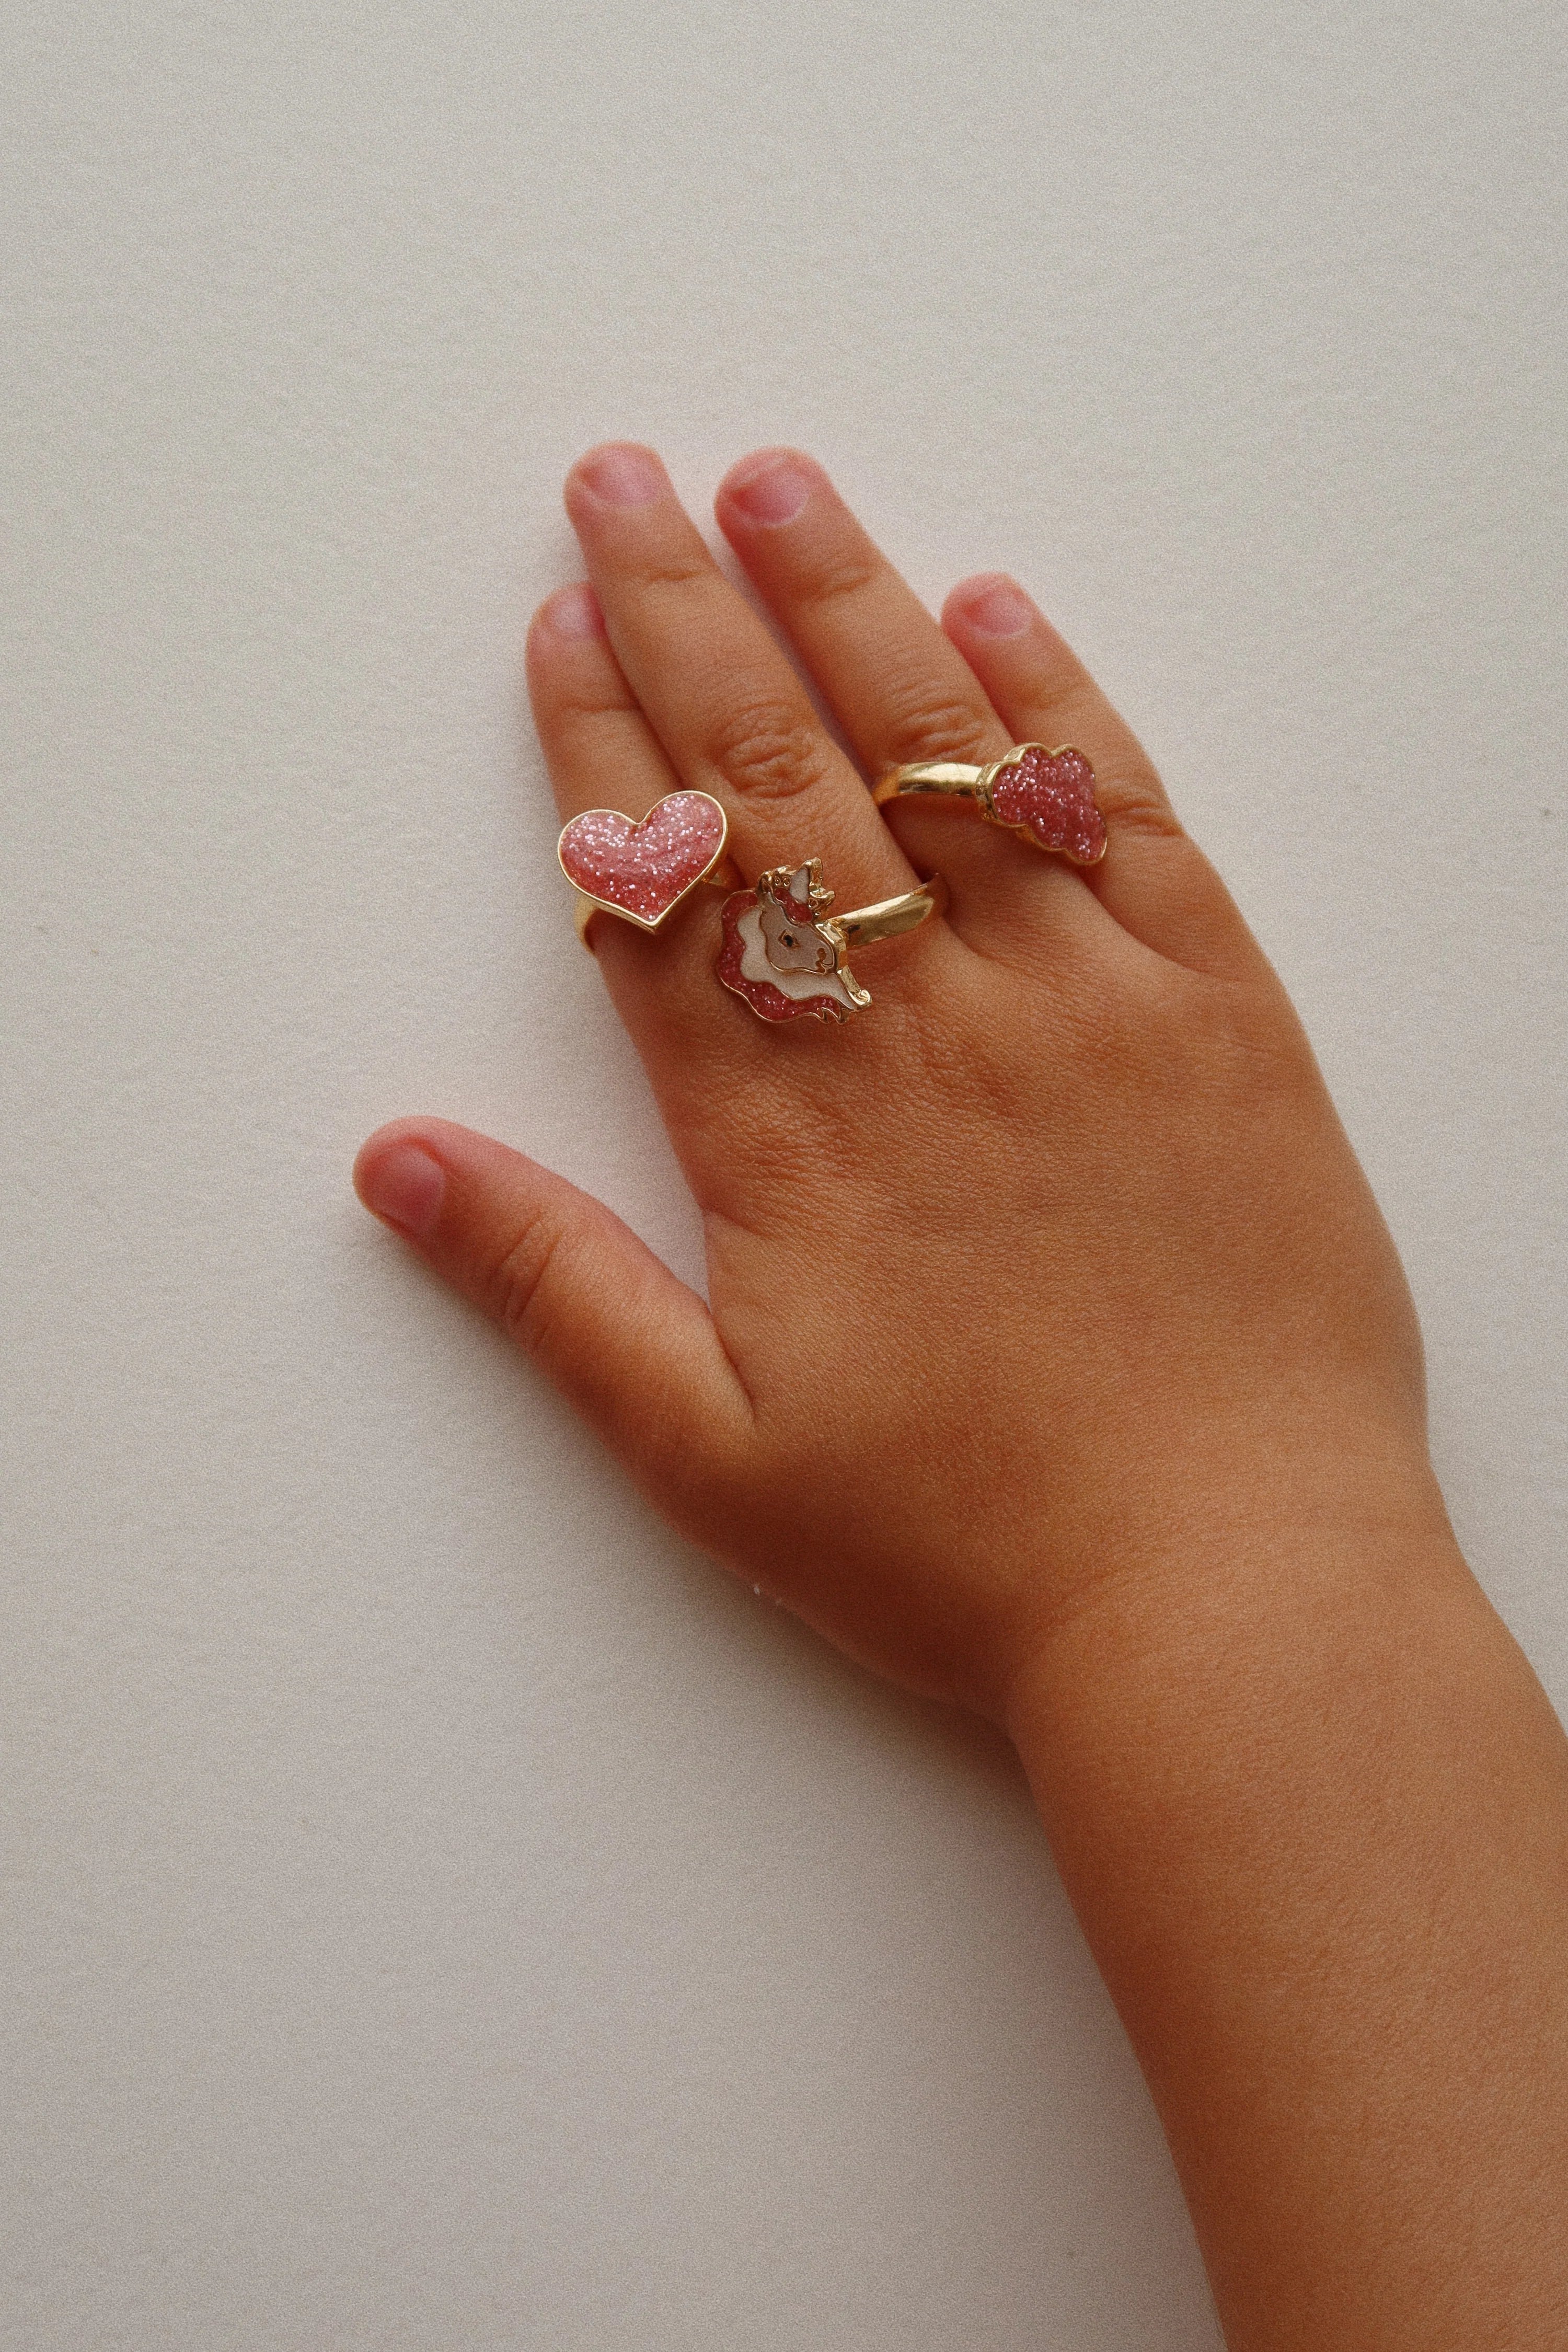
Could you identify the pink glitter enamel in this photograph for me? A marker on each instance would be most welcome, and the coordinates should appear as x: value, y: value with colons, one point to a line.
x: 769, y: 1002
x: 644, y: 868
x: 1050, y: 795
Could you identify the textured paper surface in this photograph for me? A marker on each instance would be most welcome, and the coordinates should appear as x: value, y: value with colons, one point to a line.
x: 439, y: 1911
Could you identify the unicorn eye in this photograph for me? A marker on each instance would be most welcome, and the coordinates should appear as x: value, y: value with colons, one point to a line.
x: 788, y: 937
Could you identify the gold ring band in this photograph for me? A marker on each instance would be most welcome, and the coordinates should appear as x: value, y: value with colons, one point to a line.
x: 950, y: 778
x: 891, y: 917
x: 1046, y: 795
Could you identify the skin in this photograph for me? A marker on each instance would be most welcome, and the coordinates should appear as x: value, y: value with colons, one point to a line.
x: 1057, y: 1263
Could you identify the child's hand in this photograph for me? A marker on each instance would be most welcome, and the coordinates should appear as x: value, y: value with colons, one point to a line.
x: 1059, y: 1361
x: 1055, y: 1254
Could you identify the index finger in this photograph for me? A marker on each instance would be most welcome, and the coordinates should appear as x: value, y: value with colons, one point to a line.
x: 725, y: 703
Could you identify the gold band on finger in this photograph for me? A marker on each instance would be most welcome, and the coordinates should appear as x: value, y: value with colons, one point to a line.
x: 891, y: 917
x: 1046, y: 795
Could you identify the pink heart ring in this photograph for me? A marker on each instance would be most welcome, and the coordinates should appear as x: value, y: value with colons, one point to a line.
x: 642, y: 870
x: 1048, y: 796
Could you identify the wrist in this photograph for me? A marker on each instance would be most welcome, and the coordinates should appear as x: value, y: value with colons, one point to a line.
x: 1218, y: 1539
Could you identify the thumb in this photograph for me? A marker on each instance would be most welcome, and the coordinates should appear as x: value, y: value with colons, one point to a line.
x: 628, y: 1344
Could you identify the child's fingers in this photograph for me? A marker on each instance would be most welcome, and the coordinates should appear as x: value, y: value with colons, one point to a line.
x: 725, y: 703
x: 1153, y: 879
x: 898, y: 688
x: 624, y: 1341
x: 600, y: 750
x: 704, y: 1051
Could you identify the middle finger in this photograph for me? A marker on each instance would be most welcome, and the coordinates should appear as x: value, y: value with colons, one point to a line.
x: 896, y: 683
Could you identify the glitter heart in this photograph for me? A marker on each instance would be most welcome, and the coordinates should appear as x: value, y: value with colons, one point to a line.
x: 641, y: 871
x: 1049, y: 797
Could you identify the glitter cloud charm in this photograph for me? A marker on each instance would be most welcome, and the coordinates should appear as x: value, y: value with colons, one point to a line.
x: 1048, y: 796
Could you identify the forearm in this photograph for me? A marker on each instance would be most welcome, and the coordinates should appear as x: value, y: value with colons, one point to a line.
x: 1312, y: 1808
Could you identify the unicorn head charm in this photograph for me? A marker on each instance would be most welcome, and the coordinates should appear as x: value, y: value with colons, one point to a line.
x: 783, y: 951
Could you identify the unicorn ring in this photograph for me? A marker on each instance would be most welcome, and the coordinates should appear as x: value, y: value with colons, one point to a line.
x: 786, y: 955
x: 1046, y: 796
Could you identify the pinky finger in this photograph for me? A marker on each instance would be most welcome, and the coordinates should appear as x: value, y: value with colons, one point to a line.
x: 1154, y: 880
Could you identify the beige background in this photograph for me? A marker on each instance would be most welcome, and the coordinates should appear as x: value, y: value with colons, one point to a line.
x: 439, y: 1912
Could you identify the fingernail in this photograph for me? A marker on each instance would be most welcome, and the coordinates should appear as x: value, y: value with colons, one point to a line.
x: 623, y: 477
x: 405, y: 1185
x: 575, y: 612
x: 998, y: 609
x: 774, y: 492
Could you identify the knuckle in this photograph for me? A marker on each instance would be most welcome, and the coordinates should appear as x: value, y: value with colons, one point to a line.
x: 1135, y: 803
x: 918, y: 730
x: 769, y: 749
x: 1058, y: 701
x: 833, y: 579
x: 520, y: 1283
x: 677, y: 571
x: 587, y: 701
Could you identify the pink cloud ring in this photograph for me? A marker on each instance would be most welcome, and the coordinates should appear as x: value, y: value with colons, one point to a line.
x: 1046, y: 796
